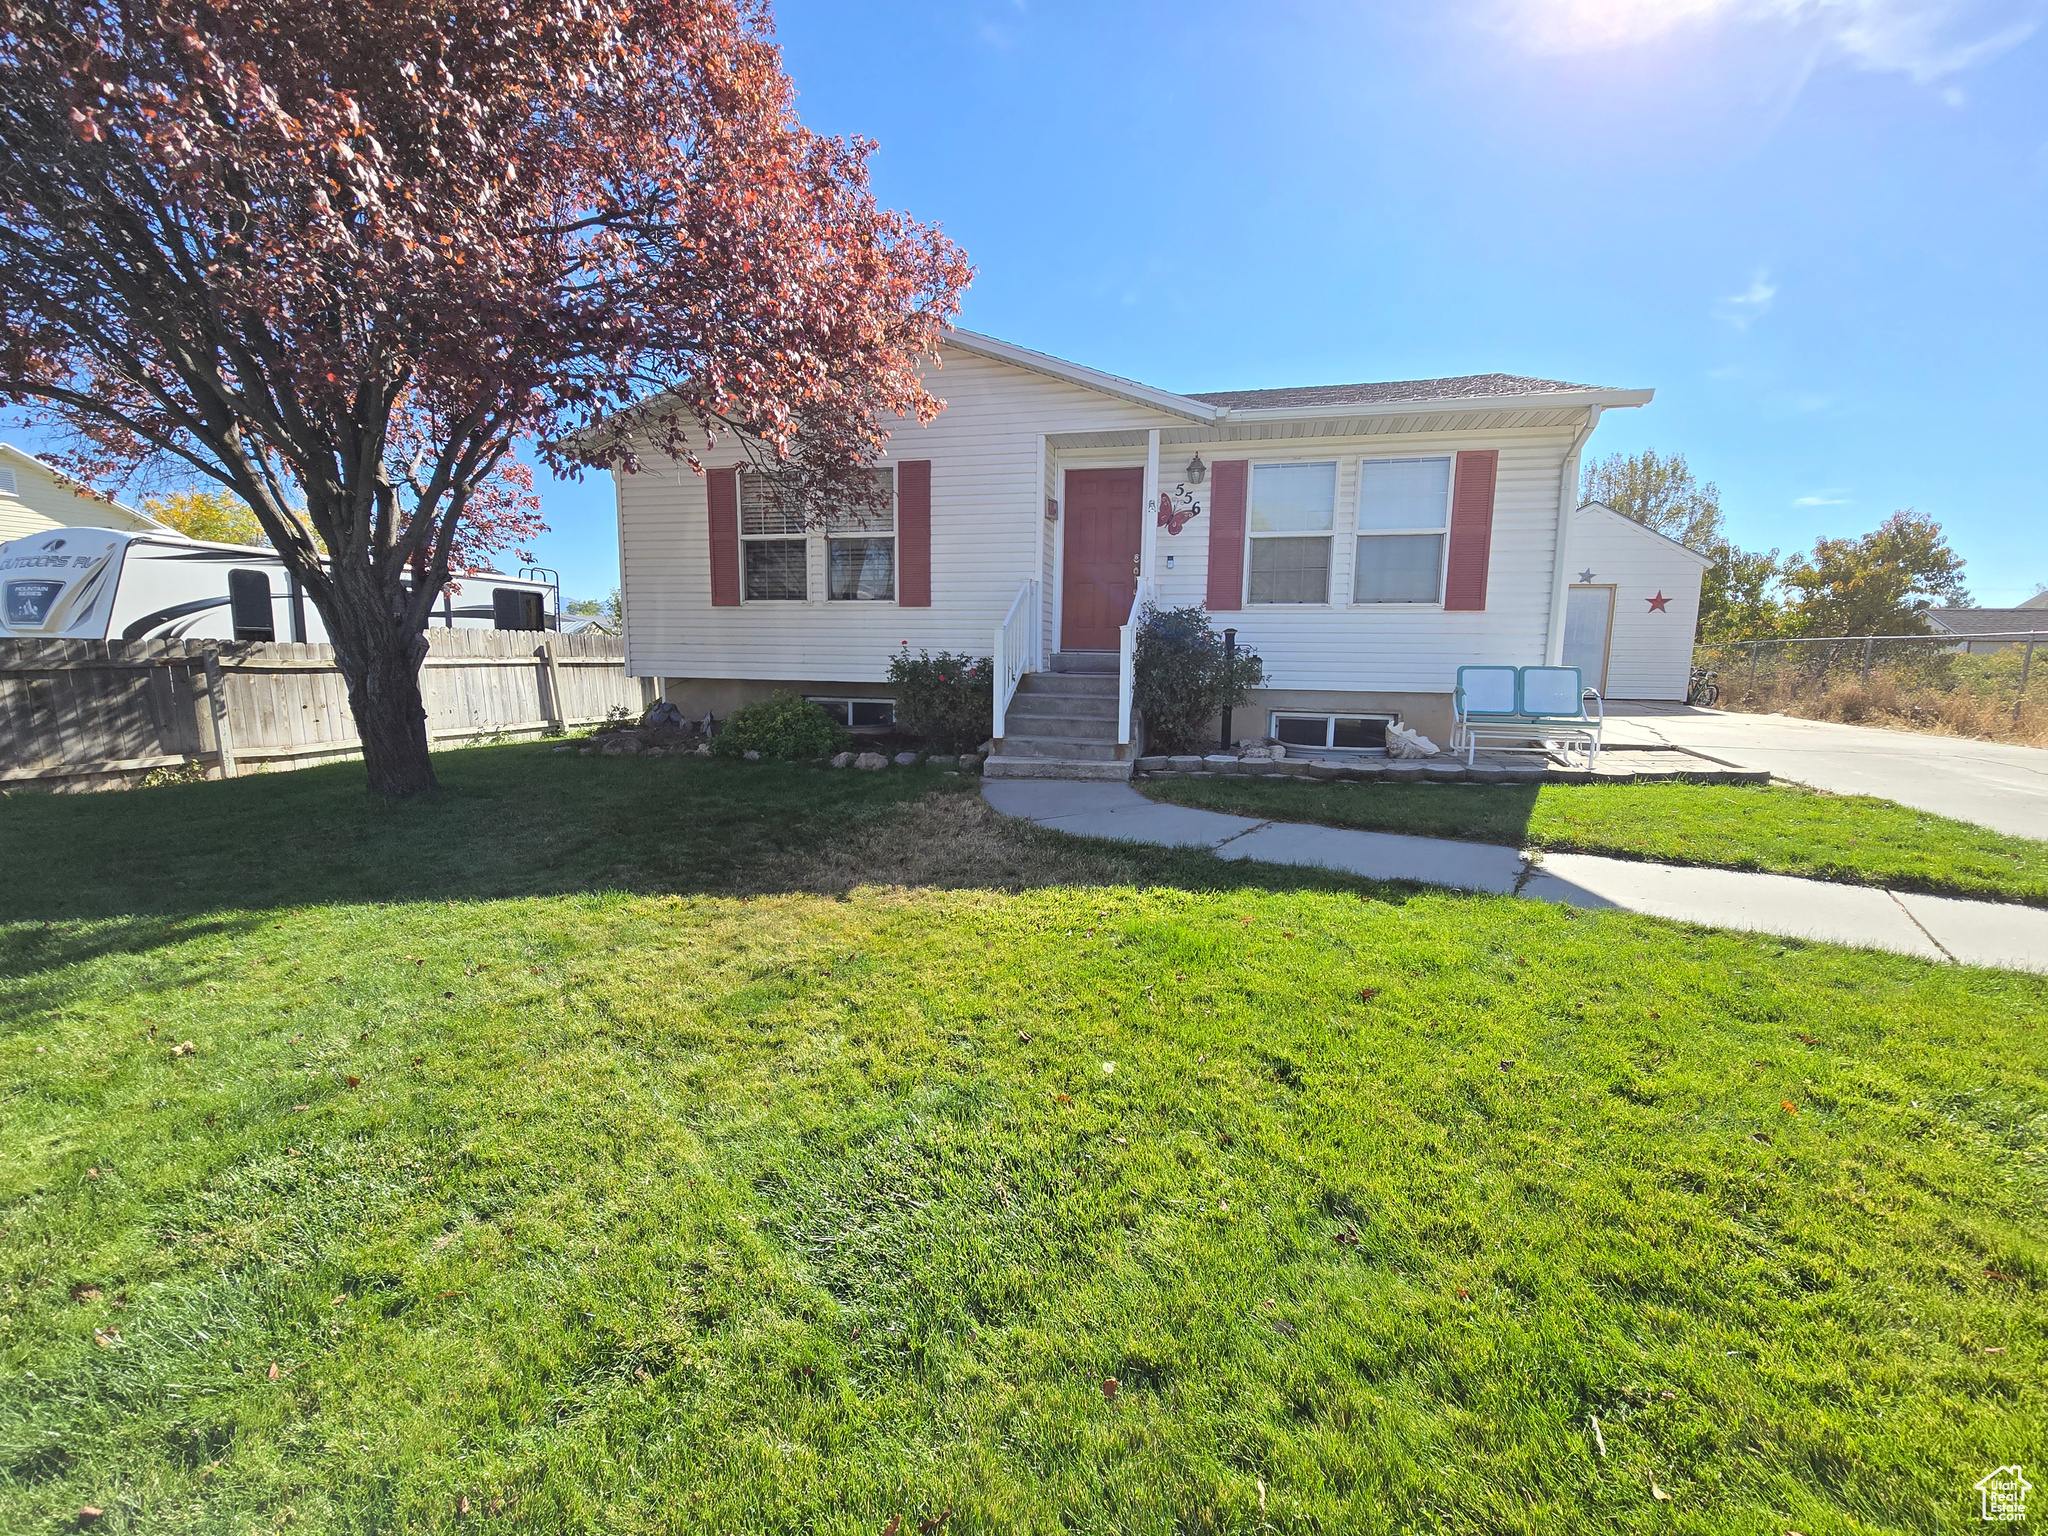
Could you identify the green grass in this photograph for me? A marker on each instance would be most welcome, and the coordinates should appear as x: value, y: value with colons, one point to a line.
x: 1781, y: 828
x: 583, y: 1143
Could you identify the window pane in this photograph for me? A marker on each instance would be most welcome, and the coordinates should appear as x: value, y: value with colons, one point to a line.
x: 775, y: 569
x: 880, y: 519
x: 1404, y: 493
x: 761, y: 509
x: 872, y: 714
x: 1302, y: 730
x: 860, y: 570
x: 1397, y: 568
x: 1356, y: 731
x: 836, y: 708
x: 1293, y: 498
x: 1290, y: 571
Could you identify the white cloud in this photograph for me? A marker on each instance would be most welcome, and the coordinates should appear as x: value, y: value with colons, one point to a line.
x: 1835, y: 497
x: 1925, y: 39
x: 1743, y: 309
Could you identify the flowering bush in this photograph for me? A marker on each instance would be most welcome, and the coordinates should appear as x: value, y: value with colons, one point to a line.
x: 947, y: 700
x: 781, y: 725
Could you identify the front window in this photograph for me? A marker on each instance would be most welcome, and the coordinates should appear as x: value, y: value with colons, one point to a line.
x: 772, y: 545
x: 1292, y: 510
x: 1404, y: 509
x: 860, y: 549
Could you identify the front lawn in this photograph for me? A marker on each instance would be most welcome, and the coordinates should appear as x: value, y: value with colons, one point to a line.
x: 1784, y: 829
x: 588, y: 1148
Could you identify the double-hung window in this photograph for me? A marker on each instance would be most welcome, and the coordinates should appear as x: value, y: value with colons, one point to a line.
x: 1404, y: 511
x: 774, y: 553
x: 860, y: 548
x: 1290, y: 520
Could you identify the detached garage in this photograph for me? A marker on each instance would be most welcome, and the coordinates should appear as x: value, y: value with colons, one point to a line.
x: 1633, y: 606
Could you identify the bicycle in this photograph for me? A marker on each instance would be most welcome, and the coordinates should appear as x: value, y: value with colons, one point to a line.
x: 1704, y: 689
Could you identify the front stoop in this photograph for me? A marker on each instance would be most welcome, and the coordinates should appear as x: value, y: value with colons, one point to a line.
x: 1001, y: 767
x: 1062, y: 725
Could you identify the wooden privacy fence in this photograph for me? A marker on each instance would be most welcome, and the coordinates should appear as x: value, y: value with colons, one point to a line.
x: 95, y: 714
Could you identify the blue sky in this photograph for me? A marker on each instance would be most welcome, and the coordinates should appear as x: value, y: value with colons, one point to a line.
x: 1819, y: 228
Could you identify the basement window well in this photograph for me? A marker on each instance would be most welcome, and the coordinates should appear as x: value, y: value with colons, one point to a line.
x: 860, y: 714
x: 1332, y: 733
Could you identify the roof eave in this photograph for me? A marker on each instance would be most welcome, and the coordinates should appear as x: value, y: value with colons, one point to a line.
x: 1087, y: 378
x: 1607, y: 399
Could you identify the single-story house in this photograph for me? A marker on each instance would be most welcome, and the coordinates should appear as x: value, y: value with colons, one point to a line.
x: 35, y: 496
x: 1633, y: 606
x: 1365, y: 539
x: 2030, y: 617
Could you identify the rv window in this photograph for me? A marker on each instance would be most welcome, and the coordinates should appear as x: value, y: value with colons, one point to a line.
x: 512, y: 609
x: 249, y: 602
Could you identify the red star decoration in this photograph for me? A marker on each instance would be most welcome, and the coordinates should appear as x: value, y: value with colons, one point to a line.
x: 1657, y: 603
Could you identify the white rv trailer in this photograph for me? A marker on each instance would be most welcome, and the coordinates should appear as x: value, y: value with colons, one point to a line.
x: 104, y: 584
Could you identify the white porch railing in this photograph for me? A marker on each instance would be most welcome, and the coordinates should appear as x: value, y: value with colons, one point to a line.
x: 1126, y: 659
x: 1016, y: 649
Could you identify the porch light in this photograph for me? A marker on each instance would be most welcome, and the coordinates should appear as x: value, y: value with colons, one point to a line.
x: 1197, y: 470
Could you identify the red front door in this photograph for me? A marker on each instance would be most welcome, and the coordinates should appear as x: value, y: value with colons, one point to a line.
x: 1099, y: 575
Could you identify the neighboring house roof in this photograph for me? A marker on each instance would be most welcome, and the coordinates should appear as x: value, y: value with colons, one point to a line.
x: 35, y: 495
x: 1988, y: 621
x: 1647, y: 531
x: 2038, y: 600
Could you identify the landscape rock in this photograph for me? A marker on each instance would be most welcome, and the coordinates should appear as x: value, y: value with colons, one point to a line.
x: 704, y: 750
x: 871, y: 762
x: 938, y: 760
x: 1220, y: 762
x: 1187, y: 764
x: 906, y: 759
x: 751, y: 755
x: 565, y: 749
x: 1154, y: 764
x: 842, y: 760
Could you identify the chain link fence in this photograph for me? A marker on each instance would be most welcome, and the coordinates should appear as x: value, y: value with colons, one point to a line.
x: 1983, y: 686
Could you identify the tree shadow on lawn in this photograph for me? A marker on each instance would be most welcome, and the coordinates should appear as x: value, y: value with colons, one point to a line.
x: 125, y: 874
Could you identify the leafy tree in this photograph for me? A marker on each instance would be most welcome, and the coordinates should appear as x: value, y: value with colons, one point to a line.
x: 1736, y: 600
x: 1659, y: 491
x: 607, y: 610
x: 211, y: 515
x: 339, y: 257
x: 1876, y: 585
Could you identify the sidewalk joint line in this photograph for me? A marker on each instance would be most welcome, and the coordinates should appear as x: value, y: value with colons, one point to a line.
x: 1922, y: 927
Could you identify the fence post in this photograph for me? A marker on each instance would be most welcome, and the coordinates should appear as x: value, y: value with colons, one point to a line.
x: 1867, y: 644
x: 213, y: 711
x: 558, y: 712
x: 2026, y: 666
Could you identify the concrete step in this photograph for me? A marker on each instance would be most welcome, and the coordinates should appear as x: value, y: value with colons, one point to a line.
x: 1068, y: 685
x: 1060, y: 746
x: 1007, y: 767
x: 1023, y: 722
x: 1085, y: 662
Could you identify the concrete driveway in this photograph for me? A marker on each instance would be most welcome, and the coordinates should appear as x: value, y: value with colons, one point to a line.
x: 1995, y: 785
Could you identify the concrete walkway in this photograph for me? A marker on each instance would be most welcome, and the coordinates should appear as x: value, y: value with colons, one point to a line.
x: 1996, y: 784
x: 1930, y: 927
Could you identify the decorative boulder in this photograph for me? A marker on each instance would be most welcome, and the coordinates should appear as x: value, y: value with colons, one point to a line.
x: 704, y: 750
x: 941, y: 761
x: 842, y: 760
x: 751, y: 755
x: 906, y: 759
x: 871, y: 762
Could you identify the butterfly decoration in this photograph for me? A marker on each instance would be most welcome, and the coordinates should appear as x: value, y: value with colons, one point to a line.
x: 1177, y: 508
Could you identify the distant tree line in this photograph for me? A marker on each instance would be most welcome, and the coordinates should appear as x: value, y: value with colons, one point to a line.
x: 1878, y: 584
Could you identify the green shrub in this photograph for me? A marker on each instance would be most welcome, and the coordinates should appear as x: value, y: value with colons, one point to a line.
x: 781, y: 725
x: 1182, y: 680
x: 947, y: 701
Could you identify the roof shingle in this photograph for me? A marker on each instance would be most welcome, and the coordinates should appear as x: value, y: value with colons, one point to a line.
x: 1473, y: 386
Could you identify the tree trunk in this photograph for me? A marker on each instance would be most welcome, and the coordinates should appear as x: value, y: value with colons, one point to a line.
x: 383, y: 675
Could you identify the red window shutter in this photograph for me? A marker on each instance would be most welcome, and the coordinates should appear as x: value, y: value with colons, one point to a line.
x: 914, y: 533
x: 1471, y: 548
x: 722, y: 494
x: 1228, y: 479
